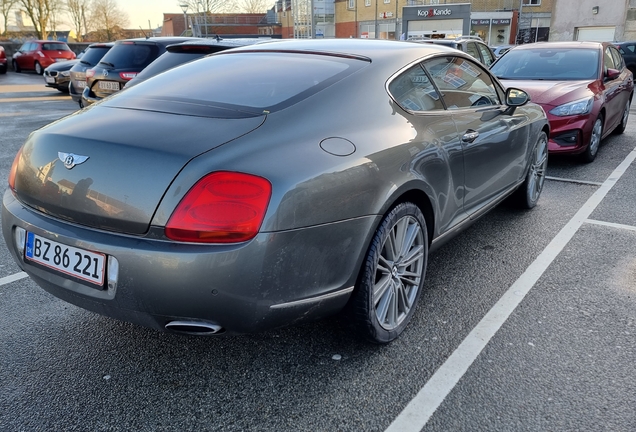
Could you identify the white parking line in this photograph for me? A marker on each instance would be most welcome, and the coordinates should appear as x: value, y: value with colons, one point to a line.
x: 14, y: 277
x: 583, y: 182
x: 611, y: 224
x: 418, y: 412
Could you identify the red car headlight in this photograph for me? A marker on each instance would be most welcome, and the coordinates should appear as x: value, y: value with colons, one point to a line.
x: 222, y: 207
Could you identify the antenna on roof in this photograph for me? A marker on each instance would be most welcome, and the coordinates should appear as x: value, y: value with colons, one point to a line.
x: 142, y: 30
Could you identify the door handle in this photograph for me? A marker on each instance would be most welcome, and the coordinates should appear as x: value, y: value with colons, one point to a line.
x: 470, y: 136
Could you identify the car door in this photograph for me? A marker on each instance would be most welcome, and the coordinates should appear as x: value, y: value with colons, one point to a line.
x: 21, y: 60
x: 494, y: 141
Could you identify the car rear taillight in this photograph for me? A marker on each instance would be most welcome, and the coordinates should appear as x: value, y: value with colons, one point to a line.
x: 222, y: 207
x: 127, y: 75
x: 14, y: 169
x: 90, y: 73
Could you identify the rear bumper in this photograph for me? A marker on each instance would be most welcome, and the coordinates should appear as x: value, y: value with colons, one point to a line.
x: 274, y: 280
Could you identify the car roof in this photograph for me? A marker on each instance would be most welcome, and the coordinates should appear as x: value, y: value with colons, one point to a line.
x: 561, y: 45
x: 373, y: 49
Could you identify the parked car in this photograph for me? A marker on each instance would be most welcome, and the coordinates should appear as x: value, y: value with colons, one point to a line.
x: 92, y: 56
x: 221, y: 197
x: 58, y: 75
x: 628, y: 51
x: 472, y: 45
x: 121, y: 64
x: 500, y: 50
x: 37, y: 55
x: 188, y: 51
x: 584, y: 87
x: 3, y: 61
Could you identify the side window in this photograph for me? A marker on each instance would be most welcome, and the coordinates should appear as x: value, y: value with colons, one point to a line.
x: 24, y: 47
x: 463, y: 83
x: 608, y: 60
x: 471, y: 49
x: 618, y: 58
x: 413, y: 91
x: 486, y: 54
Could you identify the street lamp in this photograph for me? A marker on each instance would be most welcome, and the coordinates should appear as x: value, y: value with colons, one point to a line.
x: 184, y: 8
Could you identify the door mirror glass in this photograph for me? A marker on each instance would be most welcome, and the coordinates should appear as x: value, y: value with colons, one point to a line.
x: 516, y: 97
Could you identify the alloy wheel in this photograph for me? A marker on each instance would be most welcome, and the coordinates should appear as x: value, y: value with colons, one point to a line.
x: 399, y: 272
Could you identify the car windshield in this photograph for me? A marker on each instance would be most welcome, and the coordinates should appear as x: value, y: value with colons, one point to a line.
x: 94, y: 54
x: 253, y: 82
x: 548, y: 64
x: 55, y: 47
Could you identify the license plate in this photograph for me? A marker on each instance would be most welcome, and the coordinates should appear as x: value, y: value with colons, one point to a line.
x: 81, y: 84
x: 79, y: 263
x: 109, y: 85
x: 49, y: 79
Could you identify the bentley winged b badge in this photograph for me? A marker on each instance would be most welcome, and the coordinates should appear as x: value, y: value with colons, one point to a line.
x: 70, y: 159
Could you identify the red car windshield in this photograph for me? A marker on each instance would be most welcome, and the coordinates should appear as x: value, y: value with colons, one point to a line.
x: 548, y: 64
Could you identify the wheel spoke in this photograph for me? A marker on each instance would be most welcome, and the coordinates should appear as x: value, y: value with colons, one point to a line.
x: 401, y: 232
x: 380, y: 288
x: 411, y: 237
x: 384, y: 265
x: 416, y: 254
x: 389, y: 246
x: 383, y: 308
x: 404, y: 305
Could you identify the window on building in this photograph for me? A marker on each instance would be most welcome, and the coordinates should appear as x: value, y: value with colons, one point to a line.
x: 532, y: 2
x: 387, y: 1
x: 352, y: 4
x: 367, y: 2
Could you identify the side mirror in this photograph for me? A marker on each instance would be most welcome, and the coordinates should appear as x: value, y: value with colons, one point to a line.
x: 612, y: 74
x: 516, y: 97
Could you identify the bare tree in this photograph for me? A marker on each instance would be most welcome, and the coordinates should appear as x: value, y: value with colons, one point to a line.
x: 77, y: 11
x: 108, y: 19
x: 40, y: 13
x: 209, y: 6
x: 5, y: 9
x: 254, y: 6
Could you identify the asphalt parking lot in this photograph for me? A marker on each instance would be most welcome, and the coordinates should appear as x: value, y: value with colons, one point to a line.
x: 527, y: 322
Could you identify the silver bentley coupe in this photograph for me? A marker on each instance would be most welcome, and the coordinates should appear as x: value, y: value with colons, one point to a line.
x: 271, y: 184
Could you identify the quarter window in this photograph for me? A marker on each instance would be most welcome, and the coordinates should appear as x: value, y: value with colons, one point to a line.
x: 608, y: 60
x: 414, y: 91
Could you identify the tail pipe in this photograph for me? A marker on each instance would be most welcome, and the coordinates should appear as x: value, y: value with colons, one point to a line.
x: 196, y: 328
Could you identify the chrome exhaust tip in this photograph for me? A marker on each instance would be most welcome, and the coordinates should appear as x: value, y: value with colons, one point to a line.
x: 195, y: 328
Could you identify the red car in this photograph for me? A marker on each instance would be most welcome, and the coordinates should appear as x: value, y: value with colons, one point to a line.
x: 584, y: 88
x: 37, y: 55
x: 3, y: 61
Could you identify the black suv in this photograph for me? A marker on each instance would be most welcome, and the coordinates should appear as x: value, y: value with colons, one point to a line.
x: 121, y: 64
x: 470, y: 45
x: 628, y: 51
x: 94, y: 53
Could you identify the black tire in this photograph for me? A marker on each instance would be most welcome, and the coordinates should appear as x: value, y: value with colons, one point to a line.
x: 623, y: 124
x: 16, y: 67
x: 529, y: 192
x: 38, y: 68
x: 591, y: 150
x: 384, y: 299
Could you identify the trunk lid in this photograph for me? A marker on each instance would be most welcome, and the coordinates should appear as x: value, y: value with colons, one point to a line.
x: 132, y: 158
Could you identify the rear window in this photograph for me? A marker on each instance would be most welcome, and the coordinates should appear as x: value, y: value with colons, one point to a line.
x: 252, y: 82
x: 94, y: 54
x: 55, y: 47
x: 131, y: 55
